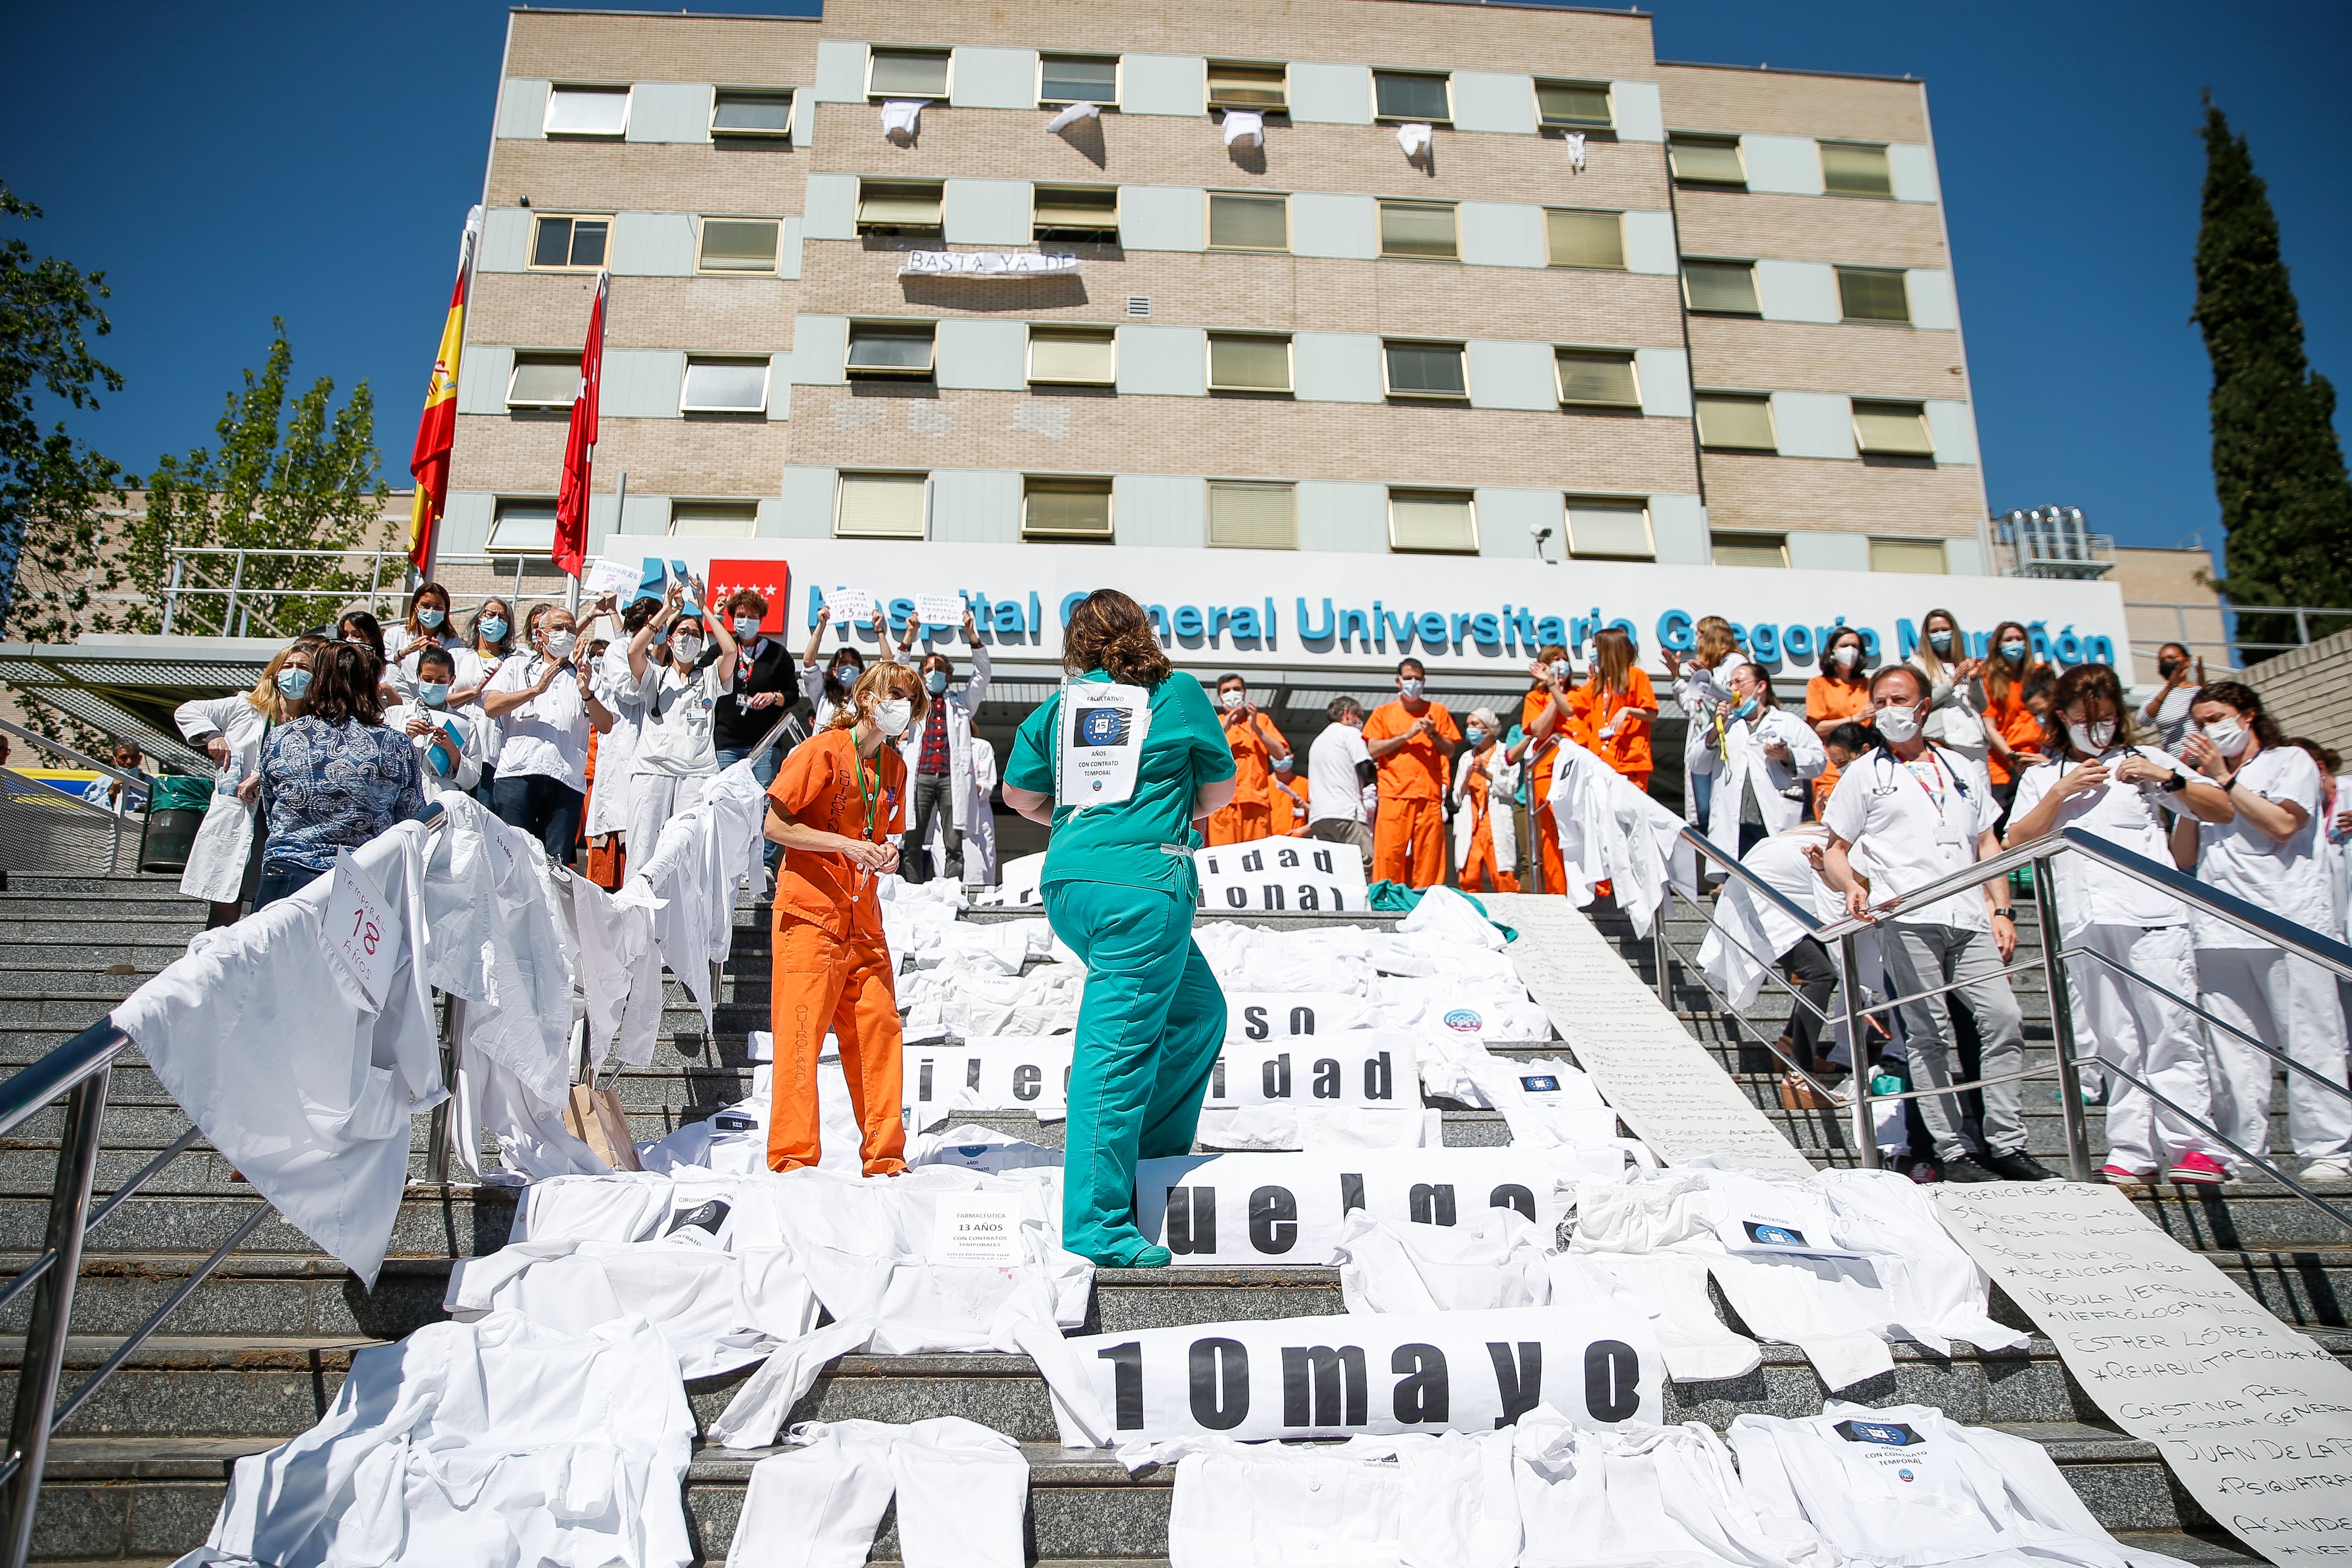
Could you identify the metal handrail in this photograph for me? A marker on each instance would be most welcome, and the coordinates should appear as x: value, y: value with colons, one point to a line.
x: 179, y: 588
x: 141, y: 780
x: 81, y: 1070
x: 2041, y: 854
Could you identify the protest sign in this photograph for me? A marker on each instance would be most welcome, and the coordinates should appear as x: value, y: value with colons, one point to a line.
x: 1281, y: 875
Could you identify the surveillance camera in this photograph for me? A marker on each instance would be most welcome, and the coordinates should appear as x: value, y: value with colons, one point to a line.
x: 1540, y: 530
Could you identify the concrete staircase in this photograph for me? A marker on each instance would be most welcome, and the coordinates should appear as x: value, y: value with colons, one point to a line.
x: 258, y: 1352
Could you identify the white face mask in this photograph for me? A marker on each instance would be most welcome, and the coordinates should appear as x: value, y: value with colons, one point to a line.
x: 892, y: 717
x: 561, y: 644
x: 1411, y: 688
x: 686, y: 650
x: 2229, y: 737
x: 1847, y: 658
x: 747, y: 628
x: 1234, y: 698
x: 430, y: 619
x: 1898, y: 724
x: 2092, y: 738
x: 1560, y: 669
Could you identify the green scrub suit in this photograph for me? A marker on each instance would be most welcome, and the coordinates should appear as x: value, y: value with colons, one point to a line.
x: 1153, y: 1018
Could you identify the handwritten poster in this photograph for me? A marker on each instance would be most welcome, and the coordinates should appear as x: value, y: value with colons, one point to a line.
x: 849, y: 606
x: 1661, y: 1083
x: 2255, y: 1418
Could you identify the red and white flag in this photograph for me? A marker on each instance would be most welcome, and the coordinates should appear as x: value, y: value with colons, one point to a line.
x: 580, y: 443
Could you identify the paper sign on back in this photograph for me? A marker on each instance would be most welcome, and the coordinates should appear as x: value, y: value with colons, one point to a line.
x: 970, y: 1228
x: 358, y: 931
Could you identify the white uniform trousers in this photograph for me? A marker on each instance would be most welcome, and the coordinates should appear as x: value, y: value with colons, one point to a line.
x: 962, y: 1492
x: 2290, y: 1005
x: 2149, y: 1037
x: 654, y: 799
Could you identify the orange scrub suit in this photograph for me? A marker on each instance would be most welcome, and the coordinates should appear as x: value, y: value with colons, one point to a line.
x: 833, y: 969
x: 1251, y: 815
x: 2015, y: 723
x: 1628, y: 749
x: 1409, y: 836
x: 1540, y: 757
x: 1827, y: 699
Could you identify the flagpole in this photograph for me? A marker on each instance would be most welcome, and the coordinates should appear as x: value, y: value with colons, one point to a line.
x: 473, y: 247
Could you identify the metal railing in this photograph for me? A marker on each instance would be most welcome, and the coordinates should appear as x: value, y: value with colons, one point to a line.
x: 194, y: 589
x: 2226, y: 611
x: 80, y: 1071
x: 2042, y: 855
x: 48, y: 830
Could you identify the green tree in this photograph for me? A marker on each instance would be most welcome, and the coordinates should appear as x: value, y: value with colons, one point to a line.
x: 2278, y: 467
x: 306, y: 480
x: 54, y: 518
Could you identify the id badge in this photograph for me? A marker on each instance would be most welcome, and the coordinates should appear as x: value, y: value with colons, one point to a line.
x: 1949, y: 835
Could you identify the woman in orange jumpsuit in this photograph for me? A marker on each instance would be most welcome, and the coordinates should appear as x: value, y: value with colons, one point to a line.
x: 1619, y: 707
x: 1838, y: 694
x: 1547, y: 712
x: 837, y: 799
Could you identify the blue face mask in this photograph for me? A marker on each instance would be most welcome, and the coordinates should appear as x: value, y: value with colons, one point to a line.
x: 430, y: 619
x: 493, y: 629
x: 1475, y: 736
x: 293, y: 683
x: 1747, y: 709
x: 2013, y: 651
x: 1940, y: 641
x: 935, y: 681
x: 433, y: 693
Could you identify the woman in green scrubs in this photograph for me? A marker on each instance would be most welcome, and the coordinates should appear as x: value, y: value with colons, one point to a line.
x: 1119, y: 889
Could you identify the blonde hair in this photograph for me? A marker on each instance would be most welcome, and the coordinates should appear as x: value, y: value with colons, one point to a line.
x: 264, y: 697
x: 1931, y: 661
x: 1716, y: 642
x: 872, y: 690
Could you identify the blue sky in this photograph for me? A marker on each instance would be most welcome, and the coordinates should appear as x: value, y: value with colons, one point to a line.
x: 224, y: 164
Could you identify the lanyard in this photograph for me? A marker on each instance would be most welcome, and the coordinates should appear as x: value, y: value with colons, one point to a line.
x: 1935, y: 797
x: 871, y: 791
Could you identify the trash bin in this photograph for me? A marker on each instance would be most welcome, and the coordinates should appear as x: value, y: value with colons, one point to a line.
x: 176, y: 809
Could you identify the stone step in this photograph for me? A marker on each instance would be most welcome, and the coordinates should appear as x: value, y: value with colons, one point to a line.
x: 211, y: 1393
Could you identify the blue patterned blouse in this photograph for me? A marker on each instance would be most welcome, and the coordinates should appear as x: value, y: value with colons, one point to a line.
x: 334, y: 786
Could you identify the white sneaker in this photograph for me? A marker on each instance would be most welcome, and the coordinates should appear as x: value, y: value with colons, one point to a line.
x: 2329, y: 1175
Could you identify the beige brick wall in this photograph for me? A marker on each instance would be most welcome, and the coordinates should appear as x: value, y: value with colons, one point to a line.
x: 512, y: 455
x: 1369, y: 32
x: 588, y: 46
x: 1851, y: 230
x: 1804, y: 356
x: 1064, y: 433
x: 2303, y: 691
x: 1169, y: 150
x: 1773, y: 494
x: 1791, y: 104
x: 1274, y: 293
x: 764, y: 181
x: 541, y: 309
x: 2156, y: 579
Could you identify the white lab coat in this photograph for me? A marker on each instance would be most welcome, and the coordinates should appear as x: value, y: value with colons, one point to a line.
x: 473, y: 749
x: 960, y: 705
x: 216, y: 859
x: 1503, y: 787
x: 1743, y: 767
x: 616, y: 748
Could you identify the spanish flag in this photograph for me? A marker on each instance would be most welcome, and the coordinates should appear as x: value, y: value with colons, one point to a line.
x: 436, y: 431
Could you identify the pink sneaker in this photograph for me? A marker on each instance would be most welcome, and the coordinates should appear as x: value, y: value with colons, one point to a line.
x: 2117, y: 1176
x: 2199, y: 1168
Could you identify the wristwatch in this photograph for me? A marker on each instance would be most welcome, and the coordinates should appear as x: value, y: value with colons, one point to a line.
x: 2008, y: 914
x: 2176, y: 783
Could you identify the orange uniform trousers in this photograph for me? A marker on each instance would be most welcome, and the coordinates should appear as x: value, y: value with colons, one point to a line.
x: 841, y: 985
x: 1408, y: 842
x: 1480, y: 871
x: 1239, y: 824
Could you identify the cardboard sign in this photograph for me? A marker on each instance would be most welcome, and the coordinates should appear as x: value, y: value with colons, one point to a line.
x: 1281, y: 875
x: 1375, y: 1373
x: 971, y: 1228
x: 944, y: 610
x: 2255, y: 1418
x: 1226, y: 1209
x: 358, y: 930
x: 1361, y: 1067
x: 772, y: 580
x: 1268, y: 1015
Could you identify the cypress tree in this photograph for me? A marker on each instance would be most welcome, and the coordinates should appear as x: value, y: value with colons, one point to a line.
x: 2278, y: 468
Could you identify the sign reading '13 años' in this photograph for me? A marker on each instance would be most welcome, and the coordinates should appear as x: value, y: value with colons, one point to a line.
x: 1385, y: 1373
